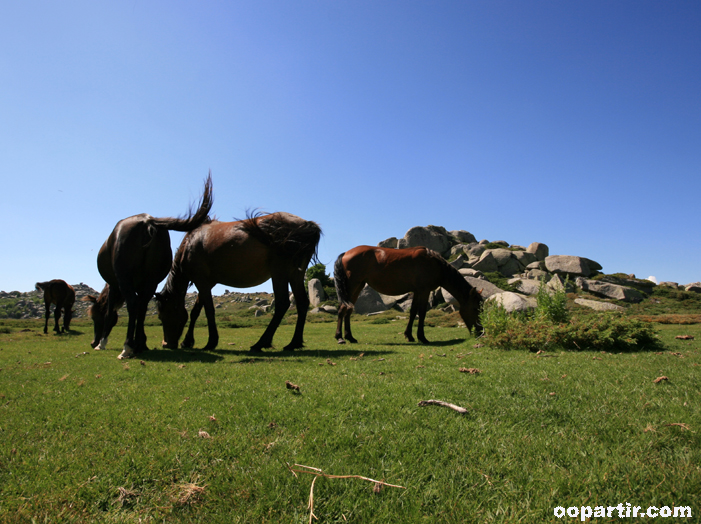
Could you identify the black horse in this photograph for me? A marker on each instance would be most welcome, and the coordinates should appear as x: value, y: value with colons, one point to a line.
x: 133, y: 261
x: 63, y: 295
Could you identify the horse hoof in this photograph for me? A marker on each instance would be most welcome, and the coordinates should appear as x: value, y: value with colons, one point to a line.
x: 341, y: 341
x: 127, y: 352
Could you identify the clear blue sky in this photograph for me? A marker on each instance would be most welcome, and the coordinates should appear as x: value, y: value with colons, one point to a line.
x: 575, y: 124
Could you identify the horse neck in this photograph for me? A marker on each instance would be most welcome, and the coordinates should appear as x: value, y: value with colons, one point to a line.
x: 455, y: 283
x: 177, y: 283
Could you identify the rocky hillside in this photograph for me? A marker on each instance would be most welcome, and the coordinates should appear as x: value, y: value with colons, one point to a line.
x: 15, y: 304
x: 523, y: 268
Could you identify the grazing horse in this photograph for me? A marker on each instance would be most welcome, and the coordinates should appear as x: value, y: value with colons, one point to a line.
x: 104, y: 319
x: 395, y: 272
x: 240, y: 254
x: 133, y: 261
x: 62, y: 294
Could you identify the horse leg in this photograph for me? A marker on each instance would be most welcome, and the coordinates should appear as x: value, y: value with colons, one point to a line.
x: 206, y: 298
x: 57, y: 316
x: 345, y: 311
x: 132, y: 302
x: 422, y: 307
x: 339, y: 324
x: 282, y: 304
x: 47, y: 315
x: 142, y: 307
x: 302, y: 302
x: 189, y: 340
x: 67, y: 316
x: 114, y: 299
x: 412, y: 316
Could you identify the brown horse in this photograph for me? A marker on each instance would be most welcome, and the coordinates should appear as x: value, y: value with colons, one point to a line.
x: 133, y: 261
x: 62, y: 294
x: 398, y: 271
x: 240, y: 254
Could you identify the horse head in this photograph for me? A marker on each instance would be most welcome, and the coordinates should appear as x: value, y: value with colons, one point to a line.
x: 97, y: 314
x: 470, y: 306
x: 173, y: 315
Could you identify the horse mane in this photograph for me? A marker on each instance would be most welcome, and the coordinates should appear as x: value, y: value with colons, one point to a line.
x: 298, y: 240
x: 451, y: 279
x: 176, y: 267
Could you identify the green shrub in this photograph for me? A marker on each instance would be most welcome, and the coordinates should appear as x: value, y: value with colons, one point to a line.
x: 551, y: 326
x: 500, y: 281
x: 552, y: 306
x: 318, y: 271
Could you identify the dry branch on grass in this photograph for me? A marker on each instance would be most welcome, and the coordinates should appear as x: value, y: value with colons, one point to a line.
x: 378, y: 484
x: 188, y: 493
x: 471, y: 371
x: 444, y: 404
x: 125, y: 495
x: 660, y: 379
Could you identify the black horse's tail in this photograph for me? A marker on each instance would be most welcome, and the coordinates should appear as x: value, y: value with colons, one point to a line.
x: 340, y: 280
x: 193, y: 220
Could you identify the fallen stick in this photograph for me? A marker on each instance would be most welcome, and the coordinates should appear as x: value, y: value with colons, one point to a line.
x: 319, y: 473
x: 444, y: 404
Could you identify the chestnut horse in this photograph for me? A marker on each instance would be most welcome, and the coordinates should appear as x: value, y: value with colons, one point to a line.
x: 398, y: 271
x: 133, y: 261
x: 62, y: 294
x: 240, y: 254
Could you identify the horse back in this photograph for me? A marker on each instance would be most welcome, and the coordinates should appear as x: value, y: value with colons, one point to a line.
x: 137, y: 247
x: 393, y: 271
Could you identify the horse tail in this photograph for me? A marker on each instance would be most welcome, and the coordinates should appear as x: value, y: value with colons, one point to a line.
x: 288, y: 235
x: 193, y: 219
x: 340, y: 280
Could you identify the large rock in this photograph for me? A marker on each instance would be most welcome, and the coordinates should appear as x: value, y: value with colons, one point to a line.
x: 568, y: 265
x: 511, y: 267
x: 486, y: 263
x: 502, y: 256
x: 694, y: 287
x: 646, y: 286
x: 598, y: 306
x: 390, y: 242
x: 513, y: 301
x: 525, y: 258
x: 526, y: 286
x: 392, y: 300
x: 608, y: 290
x: 464, y: 237
x: 474, y: 250
x: 316, y: 292
x: 369, y: 301
x: 432, y: 237
x: 541, y: 251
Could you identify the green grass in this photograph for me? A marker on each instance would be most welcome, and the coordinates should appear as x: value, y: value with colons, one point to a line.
x: 543, y: 430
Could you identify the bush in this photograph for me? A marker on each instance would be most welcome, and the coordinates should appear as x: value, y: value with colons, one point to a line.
x: 318, y: 271
x: 550, y: 326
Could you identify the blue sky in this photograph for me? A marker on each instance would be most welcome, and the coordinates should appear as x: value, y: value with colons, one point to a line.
x: 575, y: 124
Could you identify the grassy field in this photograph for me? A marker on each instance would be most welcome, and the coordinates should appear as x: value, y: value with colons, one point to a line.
x: 193, y: 436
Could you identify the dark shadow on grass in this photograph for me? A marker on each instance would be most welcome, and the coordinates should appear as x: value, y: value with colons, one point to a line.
x: 172, y: 355
x: 437, y: 343
x: 330, y: 353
